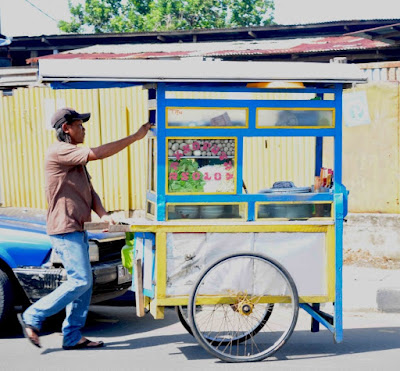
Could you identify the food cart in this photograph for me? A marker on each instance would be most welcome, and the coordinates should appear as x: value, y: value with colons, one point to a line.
x: 237, y: 265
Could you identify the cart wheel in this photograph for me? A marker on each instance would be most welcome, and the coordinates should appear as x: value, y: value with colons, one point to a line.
x: 182, y: 313
x: 229, y: 301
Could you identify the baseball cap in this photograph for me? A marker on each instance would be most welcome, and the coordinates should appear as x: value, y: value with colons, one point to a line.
x: 67, y: 115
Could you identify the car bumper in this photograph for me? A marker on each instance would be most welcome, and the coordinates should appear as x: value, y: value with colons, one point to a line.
x: 110, y: 280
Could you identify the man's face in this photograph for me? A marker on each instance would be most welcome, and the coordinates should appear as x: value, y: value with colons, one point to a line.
x: 76, y: 131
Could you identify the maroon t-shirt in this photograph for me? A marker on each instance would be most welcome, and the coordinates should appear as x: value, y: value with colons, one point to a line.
x: 68, y: 188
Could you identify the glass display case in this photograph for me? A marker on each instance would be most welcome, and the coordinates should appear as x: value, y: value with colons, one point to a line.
x: 199, y: 154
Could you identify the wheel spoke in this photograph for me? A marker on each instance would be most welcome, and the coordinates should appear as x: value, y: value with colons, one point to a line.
x: 249, y: 329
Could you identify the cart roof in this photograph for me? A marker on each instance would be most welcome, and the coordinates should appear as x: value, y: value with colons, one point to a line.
x: 197, y: 71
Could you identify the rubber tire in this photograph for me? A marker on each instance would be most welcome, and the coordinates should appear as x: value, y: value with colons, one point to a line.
x: 207, y: 345
x: 181, y: 316
x: 6, y: 299
x: 186, y: 325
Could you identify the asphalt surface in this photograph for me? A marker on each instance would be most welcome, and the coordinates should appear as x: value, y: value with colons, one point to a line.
x: 362, y: 285
x: 371, y: 339
x: 371, y: 342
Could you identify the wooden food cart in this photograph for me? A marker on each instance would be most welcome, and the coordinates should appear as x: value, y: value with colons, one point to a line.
x: 238, y: 265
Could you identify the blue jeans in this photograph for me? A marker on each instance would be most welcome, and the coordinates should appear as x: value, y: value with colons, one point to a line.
x: 74, y: 294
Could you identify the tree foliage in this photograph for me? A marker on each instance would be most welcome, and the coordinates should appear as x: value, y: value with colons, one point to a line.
x: 103, y: 16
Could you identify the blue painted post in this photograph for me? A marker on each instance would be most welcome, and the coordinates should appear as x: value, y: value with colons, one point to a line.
x: 338, y: 202
x: 318, y: 154
x: 161, y: 152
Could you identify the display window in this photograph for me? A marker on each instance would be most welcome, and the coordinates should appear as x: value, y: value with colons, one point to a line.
x: 237, y: 211
x: 201, y: 165
x: 151, y: 186
x: 293, y: 210
x: 295, y: 117
x: 151, y: 209
x: 177, y: 117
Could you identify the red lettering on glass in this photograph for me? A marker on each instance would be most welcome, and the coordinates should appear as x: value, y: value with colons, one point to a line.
x: 196, y: 146
x: 178, y: 155
x: 176, y: 111
x: 228, y: 165
x: 223, y: 156
x: 185, y: 176
x: 173, y: 176
x: 196, y: 175
x: 217, y: 176
x: 174, y: 165
x: 215, y: 150
x: 206, y: 146
x: 186, y: 149
x: 229, y: 176
x: 207, y: 176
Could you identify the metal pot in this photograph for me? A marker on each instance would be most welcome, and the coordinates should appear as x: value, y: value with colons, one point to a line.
x: 285, y: 187
x: 284, y: 210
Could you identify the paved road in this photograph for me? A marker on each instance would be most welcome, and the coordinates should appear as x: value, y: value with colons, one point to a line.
x: 372, y: 342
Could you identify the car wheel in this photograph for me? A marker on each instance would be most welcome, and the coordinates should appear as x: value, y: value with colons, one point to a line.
x: 6, y: 298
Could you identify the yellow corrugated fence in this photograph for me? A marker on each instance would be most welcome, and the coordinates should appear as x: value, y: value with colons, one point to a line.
x: 370, y: 152
x: 25, y: 136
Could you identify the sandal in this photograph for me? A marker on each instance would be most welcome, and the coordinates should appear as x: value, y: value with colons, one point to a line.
x: 24, y: 326
x: 84, y: 345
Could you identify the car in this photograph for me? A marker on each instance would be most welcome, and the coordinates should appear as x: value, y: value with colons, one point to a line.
x: 30, y: 269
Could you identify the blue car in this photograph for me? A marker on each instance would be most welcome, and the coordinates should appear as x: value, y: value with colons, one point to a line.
x: 30, y: 269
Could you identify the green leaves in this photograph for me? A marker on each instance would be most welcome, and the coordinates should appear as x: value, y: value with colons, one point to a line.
x: 186, y: 177
x: 102, y: 16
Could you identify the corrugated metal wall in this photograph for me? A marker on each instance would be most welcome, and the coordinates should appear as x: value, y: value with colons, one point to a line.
x: 370, y: 152
x: 119, y: 180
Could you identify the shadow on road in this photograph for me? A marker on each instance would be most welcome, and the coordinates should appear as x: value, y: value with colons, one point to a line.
x: 307, y: 345
x: 112, y: 323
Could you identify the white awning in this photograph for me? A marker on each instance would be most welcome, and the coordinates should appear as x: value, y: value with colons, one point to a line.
x: 65, y: 70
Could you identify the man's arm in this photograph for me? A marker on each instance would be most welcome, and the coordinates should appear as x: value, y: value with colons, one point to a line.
x: 97, y: 205
x: 109, y: 149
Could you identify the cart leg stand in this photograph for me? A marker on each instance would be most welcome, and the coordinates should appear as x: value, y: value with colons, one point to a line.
x: 338, y: 313
x: 314, y: 322
x: 138, y: 276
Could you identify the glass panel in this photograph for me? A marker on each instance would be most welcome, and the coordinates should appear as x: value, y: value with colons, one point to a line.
x: 244, y: 95
x: 206, y: 117
x: 295, y: 117
x: 207, y: 211
x: 295, y: 211
x: 151, y: 208
x: 153, y: 164
x: 267, y: 160
x: 201, y: 165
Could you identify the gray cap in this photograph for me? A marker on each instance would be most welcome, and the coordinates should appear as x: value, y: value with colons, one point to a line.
x: 67, y: 115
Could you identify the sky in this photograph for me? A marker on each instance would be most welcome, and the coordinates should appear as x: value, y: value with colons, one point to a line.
x: 39, y: 17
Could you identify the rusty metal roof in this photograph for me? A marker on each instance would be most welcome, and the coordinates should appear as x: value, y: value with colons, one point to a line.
x: 221, y: 49
x: 389, y: 34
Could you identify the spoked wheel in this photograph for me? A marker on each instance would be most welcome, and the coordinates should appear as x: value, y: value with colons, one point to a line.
x: 229, y: 301
x: 182, y: 313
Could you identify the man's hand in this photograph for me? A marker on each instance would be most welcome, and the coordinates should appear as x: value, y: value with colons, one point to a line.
x: 107, y: 219
x: 142, y: 132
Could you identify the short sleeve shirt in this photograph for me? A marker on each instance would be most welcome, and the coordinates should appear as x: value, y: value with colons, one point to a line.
x: 68, y: 188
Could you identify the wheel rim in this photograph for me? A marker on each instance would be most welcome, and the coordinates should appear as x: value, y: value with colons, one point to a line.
x: 234, y: 305
x: 182, y: 312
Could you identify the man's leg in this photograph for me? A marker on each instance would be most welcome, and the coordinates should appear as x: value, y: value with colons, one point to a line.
x: 76, y: 312
x: 73, y: 251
